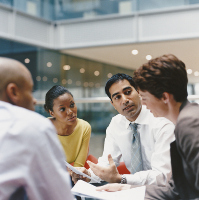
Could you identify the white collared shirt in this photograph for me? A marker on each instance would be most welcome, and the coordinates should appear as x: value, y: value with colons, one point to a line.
x: 31, y: 156
x: 156, y: 134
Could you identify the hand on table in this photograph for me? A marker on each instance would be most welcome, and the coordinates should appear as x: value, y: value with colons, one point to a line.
x: 113, y: 187
x: 109, y: 174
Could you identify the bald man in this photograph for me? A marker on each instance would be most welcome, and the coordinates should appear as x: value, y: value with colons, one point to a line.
x: 31, y: 157
x: 16, y: 84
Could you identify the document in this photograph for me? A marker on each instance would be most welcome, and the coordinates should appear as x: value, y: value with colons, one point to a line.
x: 85, y: 189
x: 80, y: 173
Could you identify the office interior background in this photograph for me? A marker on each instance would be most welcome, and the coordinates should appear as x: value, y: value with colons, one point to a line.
x: 81, y: 43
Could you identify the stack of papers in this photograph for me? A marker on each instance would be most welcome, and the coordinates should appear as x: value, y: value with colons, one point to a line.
x: 84, y: 189
x: 80, y: 173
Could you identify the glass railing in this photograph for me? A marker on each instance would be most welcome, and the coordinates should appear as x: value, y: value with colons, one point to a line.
x: 97, y: 111
x: 98, y: 114
x: 71, y: 9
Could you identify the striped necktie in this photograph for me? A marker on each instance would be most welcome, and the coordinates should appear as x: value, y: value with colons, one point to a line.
x: 136, y: 155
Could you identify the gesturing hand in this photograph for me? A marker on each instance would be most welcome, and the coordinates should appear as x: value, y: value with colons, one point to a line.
x: 109, y: 174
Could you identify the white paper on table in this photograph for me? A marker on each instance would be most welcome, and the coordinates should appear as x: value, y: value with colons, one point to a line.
x: 80, y: 173
x: 85, y: 189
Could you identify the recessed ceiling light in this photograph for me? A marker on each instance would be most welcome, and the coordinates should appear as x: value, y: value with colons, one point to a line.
x: 189, y: 71
x: 49, y: 64
x: 64, y: 81
x: 27, y: 60
x: 55, y: 80
x: 85, y: 84
x: 148, y: 57
x: 96, y: 73
x: 66, y: 67
x: 70, y: 81
x: 38, y: 78
x: 109, y: 75
x: 134, y: 52
x: 44, y: 78
x: 82, y: 70
x: 196, y: 73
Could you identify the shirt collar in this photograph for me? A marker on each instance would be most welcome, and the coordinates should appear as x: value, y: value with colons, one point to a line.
x: 141, y: 119
x: 127, y: 122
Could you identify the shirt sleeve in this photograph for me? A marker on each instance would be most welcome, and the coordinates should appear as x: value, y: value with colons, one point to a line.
x: 47, y: 169
x: 31, y: 157
x: 160, y: 192
x: 83, y: 153
x: 160, y: 171
x: 188, y: 142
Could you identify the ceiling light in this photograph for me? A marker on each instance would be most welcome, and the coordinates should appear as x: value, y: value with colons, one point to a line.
x: 134, y: 52
x: 96, y: 73
x: 109, y: 75
x: 189, y: 71
x: 82, y: 70
x: 148, y: 57
x: 27, y: 60
x: 44, y: 78
x: 196, y: 73
x: 55, y: 80
x: 70, y: 81
x: 38, y: 78
x: 49, y: 64
x: 85, y: 84
x: 64, y: 81
x: 66, y: 67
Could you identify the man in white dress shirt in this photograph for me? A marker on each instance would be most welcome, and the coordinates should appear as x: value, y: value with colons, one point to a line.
x: 156, y: 134
x: 31, y: 157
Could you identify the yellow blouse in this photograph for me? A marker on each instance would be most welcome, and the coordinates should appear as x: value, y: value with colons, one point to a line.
x: 76, y: 145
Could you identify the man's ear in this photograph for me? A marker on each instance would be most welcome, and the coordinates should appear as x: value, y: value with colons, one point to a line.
x: 139, y: 93
x: 165, y: 97
x: 13, y: 93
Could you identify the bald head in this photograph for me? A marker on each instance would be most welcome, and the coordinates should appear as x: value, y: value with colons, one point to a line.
x: 11, y: 71
x: 15, y: 83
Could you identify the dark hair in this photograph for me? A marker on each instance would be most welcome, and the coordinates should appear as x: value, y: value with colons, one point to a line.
x: 163, y: 74
x: 52, y: 94
x: 118, y: 77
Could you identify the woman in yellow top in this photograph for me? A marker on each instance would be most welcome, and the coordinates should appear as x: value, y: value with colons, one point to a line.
x: 73, y: 133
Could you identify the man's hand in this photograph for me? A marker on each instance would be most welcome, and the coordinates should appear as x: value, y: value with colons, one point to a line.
x: 76, y: 177
x: 114, y: 187
x: 109, y: 174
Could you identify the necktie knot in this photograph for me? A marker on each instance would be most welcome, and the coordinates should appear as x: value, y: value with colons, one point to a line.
x: 134, y: 126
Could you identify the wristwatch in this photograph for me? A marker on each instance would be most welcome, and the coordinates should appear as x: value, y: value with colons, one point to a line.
x: 123, y: 179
